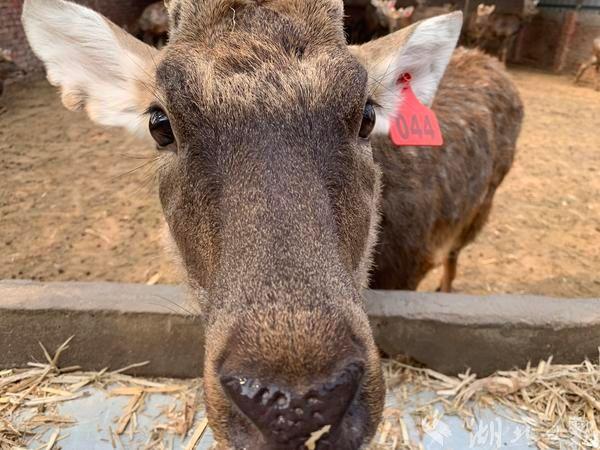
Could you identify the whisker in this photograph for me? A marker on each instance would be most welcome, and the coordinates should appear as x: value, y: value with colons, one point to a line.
x: 178, y: 306
x: 129, y: 172
x: 136, y: 156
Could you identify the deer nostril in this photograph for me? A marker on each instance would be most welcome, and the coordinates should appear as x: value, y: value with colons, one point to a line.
x: 285, y: 416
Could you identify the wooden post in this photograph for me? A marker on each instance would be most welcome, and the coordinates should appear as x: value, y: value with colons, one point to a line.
x: 566, y: 37
x: 520, y: 43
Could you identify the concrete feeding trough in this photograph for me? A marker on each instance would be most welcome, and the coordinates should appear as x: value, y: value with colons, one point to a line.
x: 117, y: 324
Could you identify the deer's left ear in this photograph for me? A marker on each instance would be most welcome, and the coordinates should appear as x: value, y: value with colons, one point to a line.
x: 423, y: 50
x: 97, y: 65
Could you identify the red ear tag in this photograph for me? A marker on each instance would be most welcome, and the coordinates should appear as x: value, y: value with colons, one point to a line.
x: 414, y: 123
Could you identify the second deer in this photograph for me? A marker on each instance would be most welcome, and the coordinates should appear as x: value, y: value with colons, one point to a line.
x: 396, y: 18
x: 593, y: 61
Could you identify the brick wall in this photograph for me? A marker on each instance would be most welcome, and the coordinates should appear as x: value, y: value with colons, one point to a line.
x: 12, y: 36
x: 503, y: 6
x: 588, y: 28
x: 538, y: 44
x: 544, y: 38
x: 540, y: 39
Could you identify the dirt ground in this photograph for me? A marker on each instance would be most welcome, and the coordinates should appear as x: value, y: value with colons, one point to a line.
x: 79, y: 202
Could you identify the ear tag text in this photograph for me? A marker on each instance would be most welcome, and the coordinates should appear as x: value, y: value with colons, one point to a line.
x: 414, y: 123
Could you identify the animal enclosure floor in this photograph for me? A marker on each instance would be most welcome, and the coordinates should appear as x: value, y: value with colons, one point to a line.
x: 79, y: 202
x: 96, y: 414
x: 543, y: 406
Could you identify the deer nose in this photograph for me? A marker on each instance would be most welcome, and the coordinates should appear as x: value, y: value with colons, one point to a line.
x: 287, y: 417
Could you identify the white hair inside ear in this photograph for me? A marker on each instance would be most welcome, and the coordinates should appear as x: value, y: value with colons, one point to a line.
x: 98, y: 66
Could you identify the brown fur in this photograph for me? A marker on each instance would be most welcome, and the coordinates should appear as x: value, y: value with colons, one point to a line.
x: 594, y: 61
x: 278, y: 231
x: 436, y: 200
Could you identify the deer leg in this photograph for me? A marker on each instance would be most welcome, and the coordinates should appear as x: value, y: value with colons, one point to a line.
x: 502, y: 52
x: 482, y: 43
x: 504, y: 49
x: 508, y: 46
x: 598, y: 76
x: 582, y: 69
x: 449, y: 272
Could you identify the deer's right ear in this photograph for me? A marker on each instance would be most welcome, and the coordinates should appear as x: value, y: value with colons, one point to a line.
x: 98, y: 66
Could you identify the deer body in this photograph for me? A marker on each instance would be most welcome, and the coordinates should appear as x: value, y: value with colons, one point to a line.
x: 436, y: 200
x: 594, y: 61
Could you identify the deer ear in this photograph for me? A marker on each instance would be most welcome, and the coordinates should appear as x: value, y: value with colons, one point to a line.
x: 423, y: 50
x: 98, y: 66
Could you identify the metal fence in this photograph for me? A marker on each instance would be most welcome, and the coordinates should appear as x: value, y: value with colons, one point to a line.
x: 592, y: 5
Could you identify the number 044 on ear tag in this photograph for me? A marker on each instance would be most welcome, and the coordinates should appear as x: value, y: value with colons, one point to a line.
x: 414, y: 123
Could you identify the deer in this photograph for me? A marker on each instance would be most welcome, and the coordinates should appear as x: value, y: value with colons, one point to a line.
x: 396, y: 18
x: 487, y: 25
x: 390, y: 17
x: 504, y: 29
x: 8, y: 68
x: 153, y: 24
x: 266, y: 126
x: 435, y: 201
x: 478, y: 24
x: 423, y: 11
x: 593, y: 61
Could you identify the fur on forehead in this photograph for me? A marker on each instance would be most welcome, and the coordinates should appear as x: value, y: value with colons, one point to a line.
x: 268, y: 60
x: 207, y: 19
x: 226, y: 85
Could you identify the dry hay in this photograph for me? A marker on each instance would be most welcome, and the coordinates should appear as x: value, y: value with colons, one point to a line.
x: 558, y: 403
x: 28, y: 400
x: 555, y: 401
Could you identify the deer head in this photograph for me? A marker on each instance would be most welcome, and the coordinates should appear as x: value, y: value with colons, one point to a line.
x: 261, y: 117
x: 391, y: 17
x: 530, y: 9
x: 485, y: 10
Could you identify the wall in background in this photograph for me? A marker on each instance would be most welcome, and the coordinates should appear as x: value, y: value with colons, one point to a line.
x: 12, y: 36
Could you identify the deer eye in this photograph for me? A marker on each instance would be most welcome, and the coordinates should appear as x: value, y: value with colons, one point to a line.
x: 160, y: 128
x: 368, y: 121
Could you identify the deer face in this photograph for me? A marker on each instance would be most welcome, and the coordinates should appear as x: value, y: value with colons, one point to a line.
x: 261, y: 115
x: 483, y: 13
